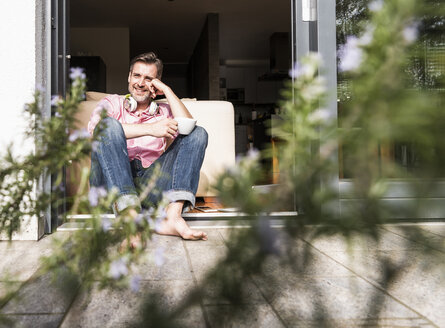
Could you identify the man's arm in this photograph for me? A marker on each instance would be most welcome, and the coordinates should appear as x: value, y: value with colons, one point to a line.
x: 165, y: 128
x: 177, y: 107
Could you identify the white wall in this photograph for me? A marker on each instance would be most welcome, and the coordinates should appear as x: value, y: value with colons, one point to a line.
x: 113, y: 45
x: 17, y: 67
x: 18, y: 70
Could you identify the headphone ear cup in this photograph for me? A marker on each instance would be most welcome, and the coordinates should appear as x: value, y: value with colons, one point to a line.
x: 130, y: 104
x: 153, y: 108
x: 133, y: 104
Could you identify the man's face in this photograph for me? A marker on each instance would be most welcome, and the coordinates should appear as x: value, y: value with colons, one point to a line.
x: 139, y: 80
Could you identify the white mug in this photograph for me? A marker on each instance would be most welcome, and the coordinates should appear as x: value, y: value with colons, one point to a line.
x: 185, y: 125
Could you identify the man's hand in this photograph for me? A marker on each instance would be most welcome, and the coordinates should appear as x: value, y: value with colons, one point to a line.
x: 164, y: 128
x: 157, y: 87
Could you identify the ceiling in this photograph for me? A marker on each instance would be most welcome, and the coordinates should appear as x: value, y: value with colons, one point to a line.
x: 172, y: 28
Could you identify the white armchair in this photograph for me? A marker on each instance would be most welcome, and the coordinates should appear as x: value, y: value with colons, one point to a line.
x: 217, y: 117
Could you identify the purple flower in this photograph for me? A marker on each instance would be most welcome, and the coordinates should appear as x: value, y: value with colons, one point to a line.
x: 308, y: 67
x: 167, y: 195
x: 79, y: 134
x: 95, y: 194
x: 94, y: 145
x: 162, y: 214
x: 118, y: 268
x: 410, y: 33
x: 148, y: 215
x: 138, y: 219
x: 253, y: 154
x: 106, y: 224
x: 77, y: 73
x: 40, y: 88
x: 55, y: 100
x: 375, y: 5
x: 238, y: 159
x: 135, y: 283
x: 301, y: 70
x: 149, y: 212
x: 319, y: 115
x: 151, y: 223
x: 351, y: 55
x: 59, y: 187
x: 296, y: 71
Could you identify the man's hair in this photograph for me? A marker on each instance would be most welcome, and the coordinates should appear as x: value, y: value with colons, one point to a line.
x: 148, y: 58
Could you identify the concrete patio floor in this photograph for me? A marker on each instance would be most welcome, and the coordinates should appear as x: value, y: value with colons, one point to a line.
x: 346, y: 279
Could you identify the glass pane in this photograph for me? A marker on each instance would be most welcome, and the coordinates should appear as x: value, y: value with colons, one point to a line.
x: 425, y: 71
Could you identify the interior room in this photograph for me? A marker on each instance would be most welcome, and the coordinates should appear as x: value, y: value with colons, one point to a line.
x: 217, y: 50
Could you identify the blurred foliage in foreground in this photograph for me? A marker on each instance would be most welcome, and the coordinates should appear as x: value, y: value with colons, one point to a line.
x: 386, y: 104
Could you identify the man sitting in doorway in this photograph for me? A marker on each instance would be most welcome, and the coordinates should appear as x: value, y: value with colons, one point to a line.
x: 138, y: 135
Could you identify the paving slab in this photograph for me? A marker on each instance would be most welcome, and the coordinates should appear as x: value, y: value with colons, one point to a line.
x: 421, y: 281
x: 120, y: 308
x: 8, y: 288
x: 387, y: 241
x: 247, y: 294
x: 438, y: 229
x: 297, y: 257
x: 204, y: 258
x: 165, y: 259
x: 422, y: 287
x: 255, y: 316
x: 228, y: 233
x: 334, y: 298
x: 21, y: 259
x: 429, y: 235
x: 34, y: 320
x: 41, y: 295
x: 313, y: 265
x: 382, y: 322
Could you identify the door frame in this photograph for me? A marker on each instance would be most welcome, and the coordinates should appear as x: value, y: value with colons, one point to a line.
x: 60, y: 56
x: 319, y: 35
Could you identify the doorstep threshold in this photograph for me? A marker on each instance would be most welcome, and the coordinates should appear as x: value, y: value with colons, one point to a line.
x: 196, y: 216
x: 201, y: 224
x: 195, y: 220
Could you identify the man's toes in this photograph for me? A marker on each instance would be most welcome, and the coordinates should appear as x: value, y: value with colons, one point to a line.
x: 200, y: 235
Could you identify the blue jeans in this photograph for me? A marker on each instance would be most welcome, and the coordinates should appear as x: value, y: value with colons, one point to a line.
x: 179, y: 167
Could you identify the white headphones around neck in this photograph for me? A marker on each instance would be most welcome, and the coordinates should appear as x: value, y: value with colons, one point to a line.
x: 130, y: 104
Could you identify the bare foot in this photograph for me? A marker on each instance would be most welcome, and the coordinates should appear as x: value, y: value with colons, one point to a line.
x: 178, y: 227
x: 135, y: 241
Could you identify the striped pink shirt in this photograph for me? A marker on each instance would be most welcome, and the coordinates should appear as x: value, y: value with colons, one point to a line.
x: 146, y: 149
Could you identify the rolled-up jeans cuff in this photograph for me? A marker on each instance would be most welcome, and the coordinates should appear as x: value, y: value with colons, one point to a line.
x: 125, y: 201
x: 182, y: 195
